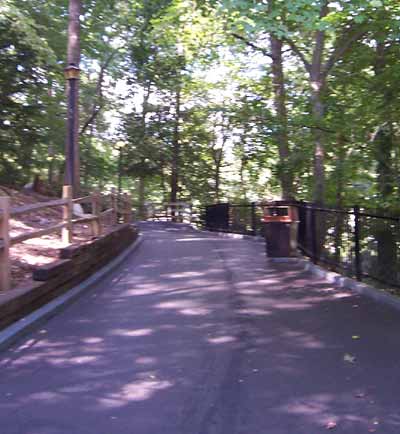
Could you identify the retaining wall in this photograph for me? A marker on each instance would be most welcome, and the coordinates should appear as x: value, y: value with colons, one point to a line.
x: 76, y: 263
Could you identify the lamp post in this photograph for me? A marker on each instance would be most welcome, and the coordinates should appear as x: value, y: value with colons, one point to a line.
x: 71, y: 73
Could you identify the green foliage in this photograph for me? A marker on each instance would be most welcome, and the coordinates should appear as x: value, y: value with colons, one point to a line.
x: 158, y: 74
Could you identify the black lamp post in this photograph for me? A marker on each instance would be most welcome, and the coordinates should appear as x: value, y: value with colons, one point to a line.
x: 71, y: 73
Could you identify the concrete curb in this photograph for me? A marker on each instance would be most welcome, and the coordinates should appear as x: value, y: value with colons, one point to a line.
x: 340, y: 281
x: 336, y: 279
x: 23, y: 326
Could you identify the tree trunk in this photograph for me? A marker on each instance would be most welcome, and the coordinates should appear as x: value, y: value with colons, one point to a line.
x: 73, y: 58
x: 278, y: 82
x: 319, y: 143
x: 317, y: 82
x: 142, y: 197
x: 176, y: 149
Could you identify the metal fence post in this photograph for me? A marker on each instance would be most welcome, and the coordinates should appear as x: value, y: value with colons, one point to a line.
x: 253, y: 218
x: 357, y: 251
x: 313, y: 235
x: 5, y: 263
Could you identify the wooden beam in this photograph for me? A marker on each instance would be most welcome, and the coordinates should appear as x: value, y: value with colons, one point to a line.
x: 96, y: 224
x: 36, y: 207
x: 88, y: 218
x: 67, y: 231
x: 37, y: 233
x: 85, y: 199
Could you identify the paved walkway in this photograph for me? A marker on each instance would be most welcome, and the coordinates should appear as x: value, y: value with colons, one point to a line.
x: 195, y: 334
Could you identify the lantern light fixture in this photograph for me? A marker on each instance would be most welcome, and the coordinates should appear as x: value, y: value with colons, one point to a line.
x: 71, y: 72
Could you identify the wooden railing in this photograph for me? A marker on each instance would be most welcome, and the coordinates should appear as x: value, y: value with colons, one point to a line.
x: 175, y: 211
x: 118, y: 207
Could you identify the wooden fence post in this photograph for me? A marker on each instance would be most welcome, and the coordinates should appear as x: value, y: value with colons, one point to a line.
x: 127, y: 208
x: 5, y: 264
x: 96, y: 224
x: 67, y: 231
x: 114, y: 206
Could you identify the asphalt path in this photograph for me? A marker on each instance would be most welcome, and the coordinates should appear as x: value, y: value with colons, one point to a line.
x: 197, y: 334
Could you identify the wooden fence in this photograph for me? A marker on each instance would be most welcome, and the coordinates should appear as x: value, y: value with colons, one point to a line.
x: 175, y: 211
x: 116, y: 206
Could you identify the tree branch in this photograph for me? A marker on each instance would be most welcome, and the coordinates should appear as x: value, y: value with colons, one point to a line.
x: 348, y: 38
x: 252, y: 45
x: 98, y: 103
x: 314, y: 127
x: 299, y: 53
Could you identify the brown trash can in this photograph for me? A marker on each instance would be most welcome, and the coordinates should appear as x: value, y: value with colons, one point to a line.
x: 280, y: 229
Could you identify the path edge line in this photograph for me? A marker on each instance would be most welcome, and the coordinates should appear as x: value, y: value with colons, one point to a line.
x: 15, y: 331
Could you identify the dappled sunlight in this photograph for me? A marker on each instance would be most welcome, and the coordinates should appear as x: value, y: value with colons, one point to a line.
x: 321, y: 409
x: 51, y: 397
x: 222, y: 340
x: 342, y: 294
x: 174, y: 335
x: 184, y: 274
x: 141, y: 290
x: 253, y: 311
x: 92, y: 340
x: 131, y: 333
x: 185, y: 307
x: 195, y: 311
x: 310, y: 405
x: 70, y: 361
x: 304, y: 340
x: 291, y: 305
x: 139, y: 390
x: 146, y: 361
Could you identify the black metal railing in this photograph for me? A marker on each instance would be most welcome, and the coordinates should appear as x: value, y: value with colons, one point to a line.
x: 356, y: 242
x: 234, y: 218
